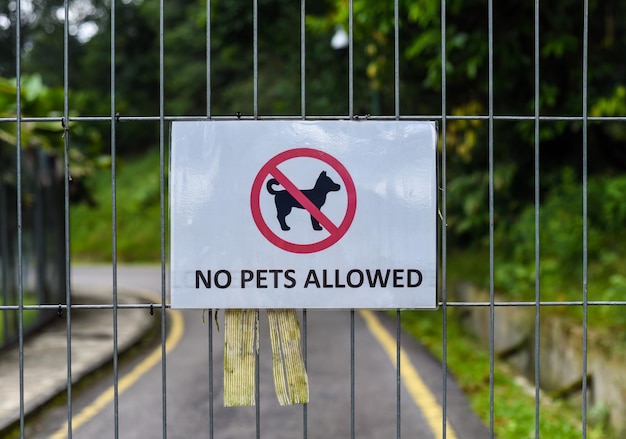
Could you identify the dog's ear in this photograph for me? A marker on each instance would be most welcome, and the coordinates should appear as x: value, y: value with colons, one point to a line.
x: 323, y: 174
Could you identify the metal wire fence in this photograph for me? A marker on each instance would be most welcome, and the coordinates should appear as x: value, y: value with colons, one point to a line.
x: 31, y: 235
x: 38, y: 255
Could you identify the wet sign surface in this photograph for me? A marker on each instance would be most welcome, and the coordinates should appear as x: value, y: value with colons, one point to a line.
x: 300, y: 214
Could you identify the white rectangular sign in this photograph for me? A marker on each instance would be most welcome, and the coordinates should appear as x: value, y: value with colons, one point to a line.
x: 303, y: 214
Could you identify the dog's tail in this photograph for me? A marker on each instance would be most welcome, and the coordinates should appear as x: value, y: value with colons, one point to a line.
x: 271, y: 182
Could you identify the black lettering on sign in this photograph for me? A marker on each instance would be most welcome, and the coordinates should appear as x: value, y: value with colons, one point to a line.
x: 397, y: 278
x: 222, y: 284
x: 246, y: 276
x: 275, y: 273
x: 378, y: 278
x: 325, y: 283
x: 260, y: 278
x: 338, y: 284
x: 311, y: 278
x: 205, y: 280
x: 417, y: 282
x: 351, y: 277
x: 289, y: 276
x: 221, y: 278
x: 277, y: 278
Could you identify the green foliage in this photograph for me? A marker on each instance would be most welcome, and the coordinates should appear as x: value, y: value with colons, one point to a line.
x: 468, y: 203
x: 614, y: 104
x: 514, y: 415
x: 190, y: 88
x: 561, y: 244
x: 226, y: 86
x: 36, y: 100
x: 138, y: 214
x: 39, y: 100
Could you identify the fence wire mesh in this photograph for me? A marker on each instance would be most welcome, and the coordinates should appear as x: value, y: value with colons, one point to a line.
x: 36, y: 278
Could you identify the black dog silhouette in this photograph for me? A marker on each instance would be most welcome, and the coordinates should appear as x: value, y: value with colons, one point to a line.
x: 285, y: 201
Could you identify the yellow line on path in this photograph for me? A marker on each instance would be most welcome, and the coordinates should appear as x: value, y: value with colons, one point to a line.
x: 421, y: 395
x: 174, y: 336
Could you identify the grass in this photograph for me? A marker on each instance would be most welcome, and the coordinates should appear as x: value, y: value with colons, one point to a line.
x: 468, y: 360
x: 558, y: 283
x: 514, y: 408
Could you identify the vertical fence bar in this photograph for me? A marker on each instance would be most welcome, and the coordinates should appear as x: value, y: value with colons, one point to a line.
x: 18, y: 189
x: 398, y: 376
x: 351, y: 114
x: 211, y: 388
x: 305, y: 415
x: 255, y: 49
x: 162, y: 213
x: 585, y: 261
x: 257, y: 381
x: 67, y: 177
x: 396, y: 58
x: 4, y: 261
x: 210, y: 320
x: 114, y: 225
x: 396, y: 85
x: 305, y: 407
x: 537, y: 225
x: 303, y: 59
x: 491, y: 228
x: 208, y: 59
x: 443, y: 210
x: 351, y: 59
x: 352, y: 375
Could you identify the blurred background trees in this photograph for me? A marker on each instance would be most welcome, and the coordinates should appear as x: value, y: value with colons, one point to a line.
x: 226, y: 86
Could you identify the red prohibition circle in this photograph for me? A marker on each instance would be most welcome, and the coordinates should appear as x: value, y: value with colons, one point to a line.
x: 271, y: 168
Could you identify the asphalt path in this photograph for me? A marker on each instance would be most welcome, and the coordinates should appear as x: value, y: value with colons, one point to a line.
x: 184, y: 384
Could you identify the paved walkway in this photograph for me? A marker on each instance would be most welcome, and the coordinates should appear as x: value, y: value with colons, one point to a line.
x: 45, y: 354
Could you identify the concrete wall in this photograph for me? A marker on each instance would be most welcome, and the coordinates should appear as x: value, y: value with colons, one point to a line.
x: 560, y: 354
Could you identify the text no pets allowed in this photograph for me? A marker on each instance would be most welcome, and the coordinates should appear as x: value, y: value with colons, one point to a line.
x: 279, y: 278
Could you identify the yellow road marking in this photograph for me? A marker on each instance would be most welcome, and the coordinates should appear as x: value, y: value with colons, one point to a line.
x: 421, y: 395
x: 414, y: 384
x: 174, y: 336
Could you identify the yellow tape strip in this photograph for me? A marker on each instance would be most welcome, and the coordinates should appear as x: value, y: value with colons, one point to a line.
x: 241, y: 340
x: 290, y: 377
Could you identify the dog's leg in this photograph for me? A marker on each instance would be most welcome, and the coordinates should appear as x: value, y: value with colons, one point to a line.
x: 281, y: 215
x: 315, y: 223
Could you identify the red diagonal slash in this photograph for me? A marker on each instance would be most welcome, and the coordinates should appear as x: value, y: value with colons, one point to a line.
x: 303, y: 200
x: 336, y: 232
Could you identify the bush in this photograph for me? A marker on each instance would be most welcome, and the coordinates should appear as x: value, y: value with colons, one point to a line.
x: 561, y: 240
